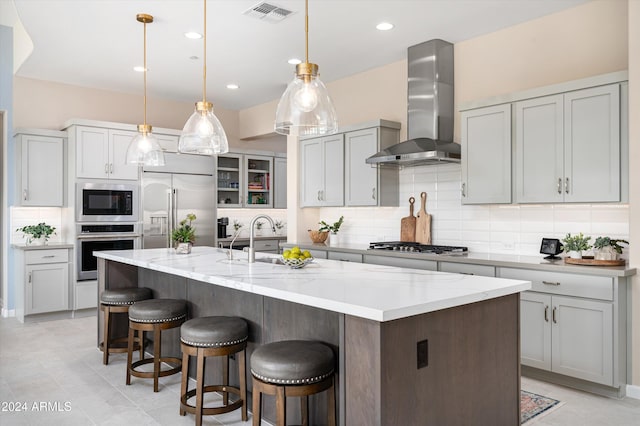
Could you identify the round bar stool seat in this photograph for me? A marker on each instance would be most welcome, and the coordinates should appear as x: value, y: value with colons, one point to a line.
x: 207, y: 337
x: 292, y: 368
x: 154, y: 315
x: 118, y: 301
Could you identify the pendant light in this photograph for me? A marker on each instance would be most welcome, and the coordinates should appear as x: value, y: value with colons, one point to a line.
x: 202, y: 133
x: 144, y: 149
x: 305, y: 107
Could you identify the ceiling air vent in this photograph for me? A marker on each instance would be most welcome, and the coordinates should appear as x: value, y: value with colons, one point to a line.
x: 267, y: 12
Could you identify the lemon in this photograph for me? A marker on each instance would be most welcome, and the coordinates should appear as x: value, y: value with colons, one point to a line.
x: 295, y: 250
x: 306, y: 254
x: 286, y: 254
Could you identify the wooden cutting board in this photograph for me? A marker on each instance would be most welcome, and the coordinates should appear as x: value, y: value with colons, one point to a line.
x: 423, y: 222
x: 408, y: 224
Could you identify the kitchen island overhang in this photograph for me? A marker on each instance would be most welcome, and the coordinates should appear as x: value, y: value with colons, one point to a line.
x: 376, y: 318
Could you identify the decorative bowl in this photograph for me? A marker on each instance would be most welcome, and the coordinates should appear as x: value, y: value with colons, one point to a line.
x: 318, y: 236
x: 297, y: 263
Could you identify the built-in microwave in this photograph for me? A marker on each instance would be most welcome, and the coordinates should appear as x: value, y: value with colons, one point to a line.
x: 106, y: 202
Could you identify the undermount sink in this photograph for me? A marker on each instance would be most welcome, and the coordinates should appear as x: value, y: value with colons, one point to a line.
x: 272, y: 260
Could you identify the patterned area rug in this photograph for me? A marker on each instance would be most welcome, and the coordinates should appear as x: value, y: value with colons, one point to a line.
x: 532, y: 404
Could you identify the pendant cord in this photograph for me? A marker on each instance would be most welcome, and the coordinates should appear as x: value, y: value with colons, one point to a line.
x: 306, y: 31
x: 204, y: 68
x: 145, y: 74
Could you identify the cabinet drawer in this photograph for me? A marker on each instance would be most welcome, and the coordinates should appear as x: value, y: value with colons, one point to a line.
x: 468, y: 269
x: 345, y: 257
x: 562, y: 283
x: 401, y: 262
x: 46, y: 256
x: 266, y: 245
x: 318, y: 254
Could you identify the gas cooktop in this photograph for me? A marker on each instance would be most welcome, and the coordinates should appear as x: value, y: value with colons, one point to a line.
x: 409, y: 247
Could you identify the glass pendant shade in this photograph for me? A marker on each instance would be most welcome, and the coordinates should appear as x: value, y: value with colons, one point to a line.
x: 144, y: 149
x: 305, y: 108
x: 203, y: 134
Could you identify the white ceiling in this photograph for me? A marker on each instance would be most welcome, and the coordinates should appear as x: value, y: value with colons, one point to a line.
x: 96, y: 43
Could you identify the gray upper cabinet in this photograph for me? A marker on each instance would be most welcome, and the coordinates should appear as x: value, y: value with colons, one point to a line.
x: 322, y: 167
x: 592, y: 144
x: 539, y: 153
x: 101, y: 153
x: 486, y: 155
x: 279, y: 183
x: 40, y: 166
x: 567, y: 147
x: 366, y: 185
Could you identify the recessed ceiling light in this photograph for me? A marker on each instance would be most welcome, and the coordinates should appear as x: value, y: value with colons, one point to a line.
x: 193, y: 35
x: 294, y: 61
x: 384, y: 26
x: 138, y: 69
x: 232, y: 86
x: 193, y: 58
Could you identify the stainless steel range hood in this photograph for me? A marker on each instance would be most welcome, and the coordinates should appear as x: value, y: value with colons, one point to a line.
x: 430, y: 110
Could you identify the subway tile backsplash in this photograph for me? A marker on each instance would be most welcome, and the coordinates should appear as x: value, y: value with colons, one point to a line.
x: 507, y: 229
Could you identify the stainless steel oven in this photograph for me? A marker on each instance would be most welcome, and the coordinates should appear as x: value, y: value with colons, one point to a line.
x: 106, y: 202
x: 102, y: 237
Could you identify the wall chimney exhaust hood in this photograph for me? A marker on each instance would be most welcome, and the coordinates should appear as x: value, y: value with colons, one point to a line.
x: 430, y: 110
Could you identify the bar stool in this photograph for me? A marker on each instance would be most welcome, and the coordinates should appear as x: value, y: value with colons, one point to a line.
x: 118, y: 301
x: 154, y: 315
x: 292, y: 368
x: 206, y: 337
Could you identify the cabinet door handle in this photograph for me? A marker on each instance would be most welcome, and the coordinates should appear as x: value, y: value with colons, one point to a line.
x: 464, y: 192
x: 29, y: 277
x: 566, y: 185
x: 559, y: 185
x: 550, y: 283
x: 48, y: 257
x: 106, y: 168
x: 546, y: 313
x: 111, y: 168
x: 319, y: 195
x: 553, y: 315
x: 24, y: 195
x: 373, y: 193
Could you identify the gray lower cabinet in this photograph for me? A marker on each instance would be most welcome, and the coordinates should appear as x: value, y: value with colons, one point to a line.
x: 571, y: 325
x: 344, y: 257
x: 85, y: 294
x: 266, y: 246
x: 467, y: 269
x: 44, y: 274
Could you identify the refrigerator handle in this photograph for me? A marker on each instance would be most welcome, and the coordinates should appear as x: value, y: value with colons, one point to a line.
x: 174, y: 208
x: 169, y: 218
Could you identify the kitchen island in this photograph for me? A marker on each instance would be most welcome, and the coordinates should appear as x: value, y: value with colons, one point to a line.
x: 413, y: 347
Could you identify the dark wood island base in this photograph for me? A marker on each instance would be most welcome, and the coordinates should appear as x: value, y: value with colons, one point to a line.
x: 456, y: 366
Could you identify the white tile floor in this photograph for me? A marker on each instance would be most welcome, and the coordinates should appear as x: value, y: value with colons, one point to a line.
x: 57, y: 363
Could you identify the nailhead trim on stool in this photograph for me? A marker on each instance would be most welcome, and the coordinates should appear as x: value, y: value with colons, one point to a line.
x: 293, y: 368
x: 116, y: 301
x: 154, y: 315
x: 207, y: 337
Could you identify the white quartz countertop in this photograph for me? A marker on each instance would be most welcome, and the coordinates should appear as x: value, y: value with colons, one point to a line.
x: 379, y: 293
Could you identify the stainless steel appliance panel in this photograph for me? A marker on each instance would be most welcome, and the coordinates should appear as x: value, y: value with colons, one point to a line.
x: 106, y: 202
x: 167, y: 198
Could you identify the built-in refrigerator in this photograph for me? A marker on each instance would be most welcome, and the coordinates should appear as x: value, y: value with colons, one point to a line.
x: 186, y: 184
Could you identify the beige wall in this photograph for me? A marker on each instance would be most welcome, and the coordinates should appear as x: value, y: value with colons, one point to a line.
x: 48, y: 105
x: 634, y: 176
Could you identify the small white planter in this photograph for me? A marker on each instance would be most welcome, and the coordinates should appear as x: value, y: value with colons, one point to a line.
x: 183, y: 248
x: 606, y: 253
x: 574, y: 254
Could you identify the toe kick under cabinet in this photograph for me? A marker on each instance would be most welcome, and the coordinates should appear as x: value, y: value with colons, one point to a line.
x: 574, y: 326
x: 44, y: 276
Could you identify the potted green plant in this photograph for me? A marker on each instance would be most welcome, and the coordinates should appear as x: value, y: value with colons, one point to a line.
x: 320, y: 236
x: 607, y: 248
x: 236, y: 226
x: 279, y: 227
x: 575, y: 245
x: 184, y: 235
x: 259, y: 225
x: 37, y: 234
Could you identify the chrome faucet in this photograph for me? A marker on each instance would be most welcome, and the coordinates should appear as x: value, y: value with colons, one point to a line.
x: 252, y: 252
x: 233, y: 240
